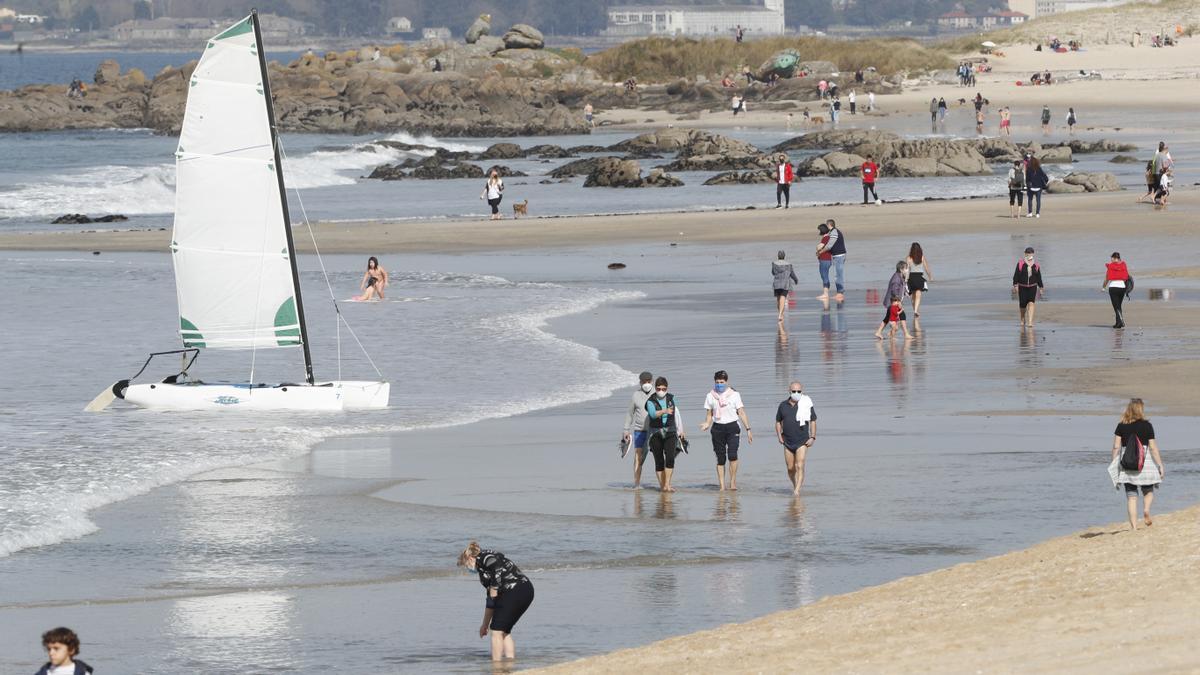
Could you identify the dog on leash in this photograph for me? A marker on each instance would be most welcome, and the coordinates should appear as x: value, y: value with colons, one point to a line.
x: 520, y: 209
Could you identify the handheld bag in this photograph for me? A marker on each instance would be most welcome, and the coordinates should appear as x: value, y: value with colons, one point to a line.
x: 1133, y: 456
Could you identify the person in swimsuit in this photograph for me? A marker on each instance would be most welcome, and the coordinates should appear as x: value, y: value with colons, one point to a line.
x: 796, y: 431
x: 1027, y: 285
x: 374, y: 280
x: 509, y: 594
x: 919, y: 272
x: 1006, y: 121
x: 722, y: 410
x: 1134, y: 422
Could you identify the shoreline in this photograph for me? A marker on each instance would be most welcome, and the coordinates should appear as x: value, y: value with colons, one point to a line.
x: 995, y: 613
x: 1106, y: 213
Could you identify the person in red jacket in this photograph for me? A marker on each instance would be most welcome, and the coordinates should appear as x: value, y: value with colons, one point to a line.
x: 783, y: 182
x: 1117, y: 281
x: 870, y: 171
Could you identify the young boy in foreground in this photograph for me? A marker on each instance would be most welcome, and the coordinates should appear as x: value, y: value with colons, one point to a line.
x: 62, y: 645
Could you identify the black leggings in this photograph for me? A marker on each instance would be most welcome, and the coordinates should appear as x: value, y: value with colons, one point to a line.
x: 869, y: 187
x: 663, y: 445
x: 783, y: 190
x: 495, y: 204
x: 726, y: 438
x: 1117, y: 295
x: 510, y: 606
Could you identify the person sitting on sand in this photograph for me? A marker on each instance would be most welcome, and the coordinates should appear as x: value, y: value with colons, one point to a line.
x: 509, y: 594
x: 796, y: 431
x: 1134, y: 423
x: 722, y: 409
x: 374, y: 280
x: 1028, y: 286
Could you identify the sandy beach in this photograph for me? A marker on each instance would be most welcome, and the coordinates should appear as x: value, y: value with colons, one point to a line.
x: 1101, y: 600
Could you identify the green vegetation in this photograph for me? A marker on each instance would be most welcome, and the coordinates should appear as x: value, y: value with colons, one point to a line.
x: 665, y: 59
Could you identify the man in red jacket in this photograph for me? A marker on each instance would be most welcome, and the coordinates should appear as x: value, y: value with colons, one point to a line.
x: 783, y: 182
x: 870, y: 171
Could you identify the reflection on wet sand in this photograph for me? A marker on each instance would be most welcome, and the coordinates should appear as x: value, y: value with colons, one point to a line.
x: 726, y: 508
x: 786, y: 356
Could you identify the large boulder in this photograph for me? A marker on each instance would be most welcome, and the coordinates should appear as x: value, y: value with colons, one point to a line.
x: 107, y: 72
x: 783, y: 63
x: 1054, y: 155
x: 660, y: 178
x: 1125, y: 159
x: 1058, y: 187
x: 459, y: 170
x: 1103, y: 145
x: 720, y: 162
x: 502, y: 151
x: 910, y: 167
x: 489, y: 44
x: 686, y: 142
x: 614, y: 172
x: 480, y: 27
x: 1093, y: 182
x: 837, y: 139
x: 580, y: 167
x: 760, y: 177
x: 524, y: 36
x: 835, y: 163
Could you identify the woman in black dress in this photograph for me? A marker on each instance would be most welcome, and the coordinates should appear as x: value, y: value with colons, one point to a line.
x: 509, y: 594
x: 1150, y: 476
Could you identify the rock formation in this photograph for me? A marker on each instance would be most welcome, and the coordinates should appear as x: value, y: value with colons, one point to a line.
x: 524, y: 36
x: 480, y: 27
x: 614, y: 172
x: 1084, y: 182
x: 760, y: 177
x: 81, y: 219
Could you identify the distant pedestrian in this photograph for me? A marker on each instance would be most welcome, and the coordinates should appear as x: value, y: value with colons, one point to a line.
x: 783, y: 180
x: 941, y: 110
x: 796, y: 431
x: 748, y: 75
x: 1028, y: 286
x: 722, y: 409
x: 1016, y: 189
x: 509, y: 594
x: 1118, y: 284
x: 589, y: 115
x: 62, y: 646
x: 667, y: 437
x: 1164, y: 188
x: 979, y: 122
x: 1045, y: 120
x: 824, y: 260
x: 933, y: 111
x: 852, y: 98
x: 1071, y: 121
x: 836, y: 246
x: 1006, y: 121
x: 893, y: 313
x: 1135, y: 435
x: 1151, y: 183
x: 822, y: 87
x: 738, y: 34
x: 919, y: 276
x: 737, y: 104
x: 493, y: 192
x: 870, y: 101
x: 784, y: 280
x: 635, y: 430
x: 835, y: 110
x: 1036, y: 180
x: 869, y: 172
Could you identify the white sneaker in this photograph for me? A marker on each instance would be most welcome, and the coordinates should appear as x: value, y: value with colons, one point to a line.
x: 1038, y: 216
x: 1028, y: 215
x: 878, y: 202
x: 779, y: 206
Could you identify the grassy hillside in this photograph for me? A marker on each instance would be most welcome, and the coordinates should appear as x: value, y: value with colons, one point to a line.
x: 660, y: 59
x: 1093, y: 26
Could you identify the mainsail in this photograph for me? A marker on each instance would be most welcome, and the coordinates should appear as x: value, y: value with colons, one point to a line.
x: 233, y: 270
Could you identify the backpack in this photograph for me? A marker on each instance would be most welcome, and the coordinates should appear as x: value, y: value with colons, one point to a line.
x: 1017, y: 182
x: 1133, y: 455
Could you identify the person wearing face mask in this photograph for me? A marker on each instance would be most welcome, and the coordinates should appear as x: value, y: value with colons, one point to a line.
x: 1027, y: 284
x: 635, y: 424
x: 665, y: 426
x: 796, y: 430
x: 509, y: 594
x: 722, y: 410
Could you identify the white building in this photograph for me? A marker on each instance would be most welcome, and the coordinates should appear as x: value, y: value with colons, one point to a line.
x: 697, y: 20
x: 438, y: 33
x: 1036, y: 8
x: 398, y: 25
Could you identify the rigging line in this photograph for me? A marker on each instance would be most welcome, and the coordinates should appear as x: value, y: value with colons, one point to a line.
x: 325, y: 273
x: 262, y: 263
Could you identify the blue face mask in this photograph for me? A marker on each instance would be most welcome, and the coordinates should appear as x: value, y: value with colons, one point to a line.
x: 472, y: 570
x: 720, y: 387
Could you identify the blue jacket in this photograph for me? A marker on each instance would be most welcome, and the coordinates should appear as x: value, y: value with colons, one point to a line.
x: 1036, y: 180
x: 81, y: 668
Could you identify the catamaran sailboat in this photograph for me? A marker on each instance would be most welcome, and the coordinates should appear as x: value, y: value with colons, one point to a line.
x: 235, y: 262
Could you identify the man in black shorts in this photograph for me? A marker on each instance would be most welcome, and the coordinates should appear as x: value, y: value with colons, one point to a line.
x: 796, y: 430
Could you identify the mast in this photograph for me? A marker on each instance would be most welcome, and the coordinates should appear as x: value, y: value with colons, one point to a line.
x: 287, y: 219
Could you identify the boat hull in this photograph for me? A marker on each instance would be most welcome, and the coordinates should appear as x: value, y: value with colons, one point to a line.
x: 326, y: 396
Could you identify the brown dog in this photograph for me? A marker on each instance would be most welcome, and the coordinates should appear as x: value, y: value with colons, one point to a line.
x: 520, y: 209
x: 816, y: 119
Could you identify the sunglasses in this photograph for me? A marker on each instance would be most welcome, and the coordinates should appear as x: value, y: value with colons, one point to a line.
x: 797, y: 391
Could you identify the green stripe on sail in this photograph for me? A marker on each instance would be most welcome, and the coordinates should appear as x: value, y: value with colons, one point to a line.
x: 190, y: 333
x: 239, y: 28
x: 287, y: 324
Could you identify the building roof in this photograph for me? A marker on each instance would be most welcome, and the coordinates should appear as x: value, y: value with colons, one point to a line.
x: 689, y: 8
x: 955, y: 15
x: 1010, y: 13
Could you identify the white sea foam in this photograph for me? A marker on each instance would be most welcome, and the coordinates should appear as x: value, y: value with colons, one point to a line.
x: 99, y: 190
x: 452, y: 146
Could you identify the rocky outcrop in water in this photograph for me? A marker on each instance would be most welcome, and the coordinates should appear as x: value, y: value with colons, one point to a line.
x: 627, y: 173
x: 1084, y: 182
x: 81, y: 219
x: 760, y: 177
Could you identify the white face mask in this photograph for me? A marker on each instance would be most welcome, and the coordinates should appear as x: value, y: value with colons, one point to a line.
x: 796, y: 395
x: 1029, y: 259
x: 661, y: 394
x: 647, y: 387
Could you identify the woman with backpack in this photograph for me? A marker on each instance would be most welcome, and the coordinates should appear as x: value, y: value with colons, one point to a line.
x: 1119, y: 284
x: 1036, y: 180
x: 1016, y: 189
x: 1136, y: 462
x: 784, y: 280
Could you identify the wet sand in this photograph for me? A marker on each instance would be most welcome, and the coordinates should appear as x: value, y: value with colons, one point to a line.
x: 1099, y: 213
x: 1102, y: 600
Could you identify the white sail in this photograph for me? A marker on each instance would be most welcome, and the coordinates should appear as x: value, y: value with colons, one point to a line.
x: 233, y: 273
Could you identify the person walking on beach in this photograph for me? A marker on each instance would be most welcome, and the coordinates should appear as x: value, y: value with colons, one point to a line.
x: 796, y: 431
x: 1118, y: 284
x: 941, y: 110
x: 824, y: 260
x: 1027, y: 284
x: 870, y: 101
x: 836, y: 246
x: 933, y: 111
x: 1152, y: 182
x: 1164, y: 188
x: 62, y: 646
x: 636, y: 426
x: 835, y: 110
x: 589, y: 115
x: 1036, y: 180
x: 1133, y: 442
x: 1045, y: 120
x: 722, y: 410
x: 1071, y: 121
x: 493, y: 192
x: 783, y: 182
x: 1006, y: 121
x: 852, y: 98
x: 1016, y: 189
x: 822, y: 87
x: 509, y: 594
x: 374, y: 280
x: 784, y: 281
x: 893, y: 313
x: 919, y: 274
x: 869, y: 172
x: 667, y: 438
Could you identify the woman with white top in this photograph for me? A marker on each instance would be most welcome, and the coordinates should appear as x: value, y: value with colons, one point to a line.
x: 919, y: 272
x: 722, y: 410
x: 493, y: 192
